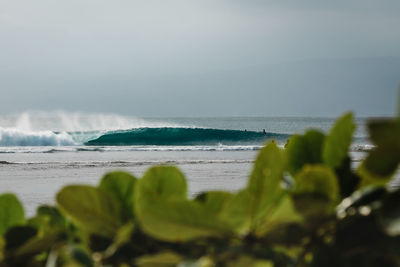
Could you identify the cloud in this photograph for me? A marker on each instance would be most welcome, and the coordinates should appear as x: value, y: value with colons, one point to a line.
x: 52, y: 46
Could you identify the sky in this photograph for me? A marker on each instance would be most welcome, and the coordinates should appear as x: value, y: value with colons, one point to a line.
x: 200, y: 58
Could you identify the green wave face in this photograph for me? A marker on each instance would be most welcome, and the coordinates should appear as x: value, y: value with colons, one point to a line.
x: 183, y: 136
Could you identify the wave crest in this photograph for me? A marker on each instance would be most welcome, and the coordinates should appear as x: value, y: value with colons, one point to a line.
x: 15, y: 137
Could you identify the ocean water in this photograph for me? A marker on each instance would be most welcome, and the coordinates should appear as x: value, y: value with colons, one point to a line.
x: 40, y: 152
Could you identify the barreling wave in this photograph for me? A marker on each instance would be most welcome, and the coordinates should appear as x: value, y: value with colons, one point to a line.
x: 168, y: 136
x: 15, y: 137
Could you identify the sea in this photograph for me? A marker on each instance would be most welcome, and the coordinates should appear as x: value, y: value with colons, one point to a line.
x: 40, y: 152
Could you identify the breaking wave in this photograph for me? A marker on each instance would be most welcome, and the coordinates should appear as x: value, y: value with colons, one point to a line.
x: 167, y: 136
x: 16, y: 137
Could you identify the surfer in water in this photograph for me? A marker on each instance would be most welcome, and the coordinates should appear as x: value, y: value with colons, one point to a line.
x: 264, y: 132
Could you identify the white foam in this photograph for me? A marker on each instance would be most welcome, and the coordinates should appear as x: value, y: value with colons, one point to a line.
x: 75, y: 121
x: 17, y: 137
x: 77, y: 148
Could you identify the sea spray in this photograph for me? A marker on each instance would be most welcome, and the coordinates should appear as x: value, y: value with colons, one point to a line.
x: 63, y: 121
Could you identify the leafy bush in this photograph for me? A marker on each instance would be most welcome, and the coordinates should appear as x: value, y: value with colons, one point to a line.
x: 304, y: 205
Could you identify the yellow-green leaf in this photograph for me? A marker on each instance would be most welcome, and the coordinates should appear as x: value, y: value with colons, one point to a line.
x: 164, y: 212
x: 120, y: 185
x: 11, y: 212
x: 304, y: 149
x: 92, y: 208
x: 250, y: 208
x: 338, y: 141
x: 316, y: 191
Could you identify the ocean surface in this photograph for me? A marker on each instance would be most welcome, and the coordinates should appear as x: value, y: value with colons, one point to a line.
x: 41, y: 151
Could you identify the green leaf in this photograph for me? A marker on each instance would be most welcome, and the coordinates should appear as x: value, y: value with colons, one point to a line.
x: 379, y: 167
x: 48, y: 220
x: 124, y: 234
x: 205, y: 261
x: 11, y: 212
x: 214, y: 201
x: 52, y: 213
x: 163, y: 182
x: 384, y: 131
x: 72, y: 255
x: 285, y: 213
x: 121, y: 185
x: 250, y: 209
x: 304, y: 149
x: 161, y: 259
x: 164, y: 212
x: 179, y: 221
x: 92, y: 208
x: 382, y: 162
x: 122, y: 237
x: 338, y: 141
x: 265, y: 190
x: 318, y: 180
x: 36, y: 245
x: 265, y: 183
x: 316, y: 191
x: 237, y: 212
x: 245, y: 260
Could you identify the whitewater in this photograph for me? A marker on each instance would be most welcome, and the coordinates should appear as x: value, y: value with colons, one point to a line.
x: 42, y: 151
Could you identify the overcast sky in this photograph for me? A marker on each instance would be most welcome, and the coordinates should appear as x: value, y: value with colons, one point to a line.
x: 200, y: 58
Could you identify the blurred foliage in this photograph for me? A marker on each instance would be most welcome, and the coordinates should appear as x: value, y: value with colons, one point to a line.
x: 304, y: 205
